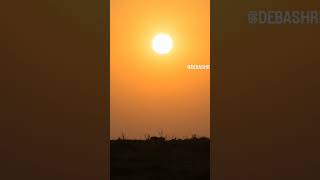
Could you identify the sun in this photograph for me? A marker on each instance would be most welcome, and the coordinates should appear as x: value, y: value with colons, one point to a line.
x: 162, y: 43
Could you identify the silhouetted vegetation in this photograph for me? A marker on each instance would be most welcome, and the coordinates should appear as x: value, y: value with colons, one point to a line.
x: 158, y: 158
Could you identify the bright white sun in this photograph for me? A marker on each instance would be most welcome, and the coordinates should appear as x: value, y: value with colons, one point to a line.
x: 162, y: 43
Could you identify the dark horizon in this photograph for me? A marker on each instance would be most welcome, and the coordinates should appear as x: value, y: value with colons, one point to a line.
x: 166, y: 138
x: 160, y: 159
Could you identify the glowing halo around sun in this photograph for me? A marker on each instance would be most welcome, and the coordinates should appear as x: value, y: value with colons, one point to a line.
x: 162, y: 43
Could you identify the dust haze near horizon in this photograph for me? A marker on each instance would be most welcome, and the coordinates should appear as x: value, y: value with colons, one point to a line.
x: 149, y: 92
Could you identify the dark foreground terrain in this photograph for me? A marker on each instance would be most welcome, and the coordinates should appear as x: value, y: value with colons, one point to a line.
x: 160, y: 160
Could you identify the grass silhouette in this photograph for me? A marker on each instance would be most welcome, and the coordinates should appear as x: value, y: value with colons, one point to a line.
x: 160, y: 158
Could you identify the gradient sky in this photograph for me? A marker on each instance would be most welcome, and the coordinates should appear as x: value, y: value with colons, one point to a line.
x: 149, y: 92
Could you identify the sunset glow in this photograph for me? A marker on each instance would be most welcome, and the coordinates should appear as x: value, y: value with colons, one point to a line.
x: 152, y: 42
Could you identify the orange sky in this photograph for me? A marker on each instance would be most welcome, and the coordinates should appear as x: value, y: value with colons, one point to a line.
x: 150, y: 92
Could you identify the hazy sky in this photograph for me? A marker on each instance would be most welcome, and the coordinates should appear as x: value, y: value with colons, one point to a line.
x: 150, y: 92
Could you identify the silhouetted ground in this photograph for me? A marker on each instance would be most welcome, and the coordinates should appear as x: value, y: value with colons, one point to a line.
x: 160, y: 160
